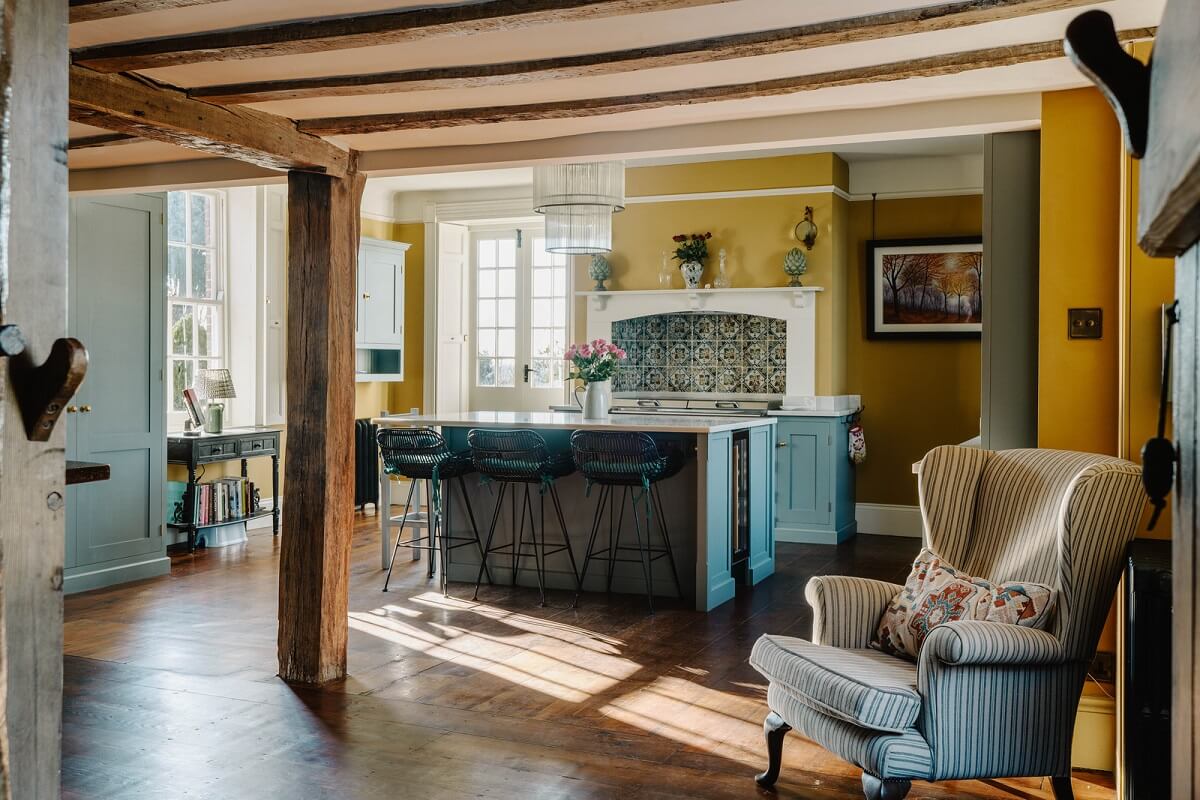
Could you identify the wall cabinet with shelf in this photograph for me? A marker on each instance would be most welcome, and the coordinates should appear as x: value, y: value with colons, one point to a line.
x: 379, y: 328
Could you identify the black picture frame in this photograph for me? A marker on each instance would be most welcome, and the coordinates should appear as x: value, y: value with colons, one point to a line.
x: 877, y: 329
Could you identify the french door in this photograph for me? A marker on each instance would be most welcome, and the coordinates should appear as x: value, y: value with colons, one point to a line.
x: 520, y: 320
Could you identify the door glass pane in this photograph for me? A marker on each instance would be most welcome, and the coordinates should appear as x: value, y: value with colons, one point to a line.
x: 201, y: 232
x: 543, y: 313
x: 507, y: 286
x: 505, y: 369
x: 506, y: 342
x: 487, y: 314
x: 486, y: 251
x: 543, y: 285
x: 487, y: 283
x: 181, y: 329
x: 548, y: 317
x: 506, y: 255
x: 486, y: 342
x: 506, y: 313
x: 487, y: 372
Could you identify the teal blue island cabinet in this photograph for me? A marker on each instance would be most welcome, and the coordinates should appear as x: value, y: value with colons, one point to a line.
x: 718, y: 508
x: 814, y: 478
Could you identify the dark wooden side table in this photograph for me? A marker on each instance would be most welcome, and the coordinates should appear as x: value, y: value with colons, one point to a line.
x: 229, y: 445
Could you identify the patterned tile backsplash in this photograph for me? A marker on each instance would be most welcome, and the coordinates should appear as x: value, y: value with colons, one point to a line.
x: 741, y: 353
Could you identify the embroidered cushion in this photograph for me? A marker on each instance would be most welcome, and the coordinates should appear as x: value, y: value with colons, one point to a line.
x: 936, y: 593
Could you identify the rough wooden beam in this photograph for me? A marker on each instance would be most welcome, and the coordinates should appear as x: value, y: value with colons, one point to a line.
x: 102, y: 140
x: 138, y: 107
x: 697, y: 51
x: 314, y: 558
x: 88, y: 10
x: 33, y: 294
x: 932, y: 66
x: 358, y: 30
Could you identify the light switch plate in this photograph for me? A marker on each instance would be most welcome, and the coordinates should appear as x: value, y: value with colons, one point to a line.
x: 1085, y: 323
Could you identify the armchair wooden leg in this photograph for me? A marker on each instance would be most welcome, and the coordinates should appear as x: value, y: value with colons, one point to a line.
x: 884, y: 789
x: 1062, y: 788
x: 774, y: 729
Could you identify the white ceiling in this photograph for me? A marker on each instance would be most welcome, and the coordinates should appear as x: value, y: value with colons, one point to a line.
x: 610, y: 33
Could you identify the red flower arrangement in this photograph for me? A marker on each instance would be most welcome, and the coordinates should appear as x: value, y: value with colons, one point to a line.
x: 691, y: 246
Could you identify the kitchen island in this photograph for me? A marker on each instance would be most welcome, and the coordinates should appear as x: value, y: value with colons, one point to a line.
x: 718, y: 508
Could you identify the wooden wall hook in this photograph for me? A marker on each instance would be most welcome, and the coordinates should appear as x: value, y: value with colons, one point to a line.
x: 43, y: 391
x: 1092, y: 44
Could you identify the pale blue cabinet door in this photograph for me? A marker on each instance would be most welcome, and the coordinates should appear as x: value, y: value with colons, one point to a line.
x: 762, y: 490
x: 118, y: 300
x: 803, y: 471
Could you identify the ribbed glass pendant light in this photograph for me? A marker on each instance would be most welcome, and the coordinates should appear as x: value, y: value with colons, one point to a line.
x: 579, y: 201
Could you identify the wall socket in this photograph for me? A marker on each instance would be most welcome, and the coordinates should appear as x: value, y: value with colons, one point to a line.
x: 1085, y: 323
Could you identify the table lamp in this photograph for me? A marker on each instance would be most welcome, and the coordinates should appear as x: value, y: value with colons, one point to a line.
x: 213, y: 386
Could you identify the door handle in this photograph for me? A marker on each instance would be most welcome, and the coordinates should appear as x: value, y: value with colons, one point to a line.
x: 527, y: 371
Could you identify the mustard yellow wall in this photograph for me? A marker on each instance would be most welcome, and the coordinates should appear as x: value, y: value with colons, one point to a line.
x: 756, y: 232
x: 1080, y: 214
x: 917, y: 394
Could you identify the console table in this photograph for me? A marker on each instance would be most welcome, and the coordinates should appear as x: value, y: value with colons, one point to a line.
x: 231, y: 444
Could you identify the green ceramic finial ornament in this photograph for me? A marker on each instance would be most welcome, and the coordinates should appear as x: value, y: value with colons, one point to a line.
x: 795, y: 264
x: 599, y: 271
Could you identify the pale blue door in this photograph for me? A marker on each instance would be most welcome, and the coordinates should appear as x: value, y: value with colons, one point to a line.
x: 116, y: 306
x: 804, y: 449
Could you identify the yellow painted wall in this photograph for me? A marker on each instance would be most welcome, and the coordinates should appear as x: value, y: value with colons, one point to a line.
x: 756, y: 232
x: 1080, y: 213
x: 916, y: 394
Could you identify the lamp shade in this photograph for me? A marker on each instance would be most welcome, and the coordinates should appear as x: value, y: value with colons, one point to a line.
x: 598, y: 184
x: 214, y: 384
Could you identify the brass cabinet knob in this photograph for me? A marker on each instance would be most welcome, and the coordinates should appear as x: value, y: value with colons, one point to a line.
x: 781, y: 444
x: 72, y: 409
x: 366, y: 295
x: 85, y: 409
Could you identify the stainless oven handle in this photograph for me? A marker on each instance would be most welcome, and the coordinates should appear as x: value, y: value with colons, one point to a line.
x: 649, y: 403
x: 726, y: 404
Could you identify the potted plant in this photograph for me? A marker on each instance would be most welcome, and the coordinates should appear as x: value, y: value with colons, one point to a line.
x: 691, y: 249
x: 594, y: 363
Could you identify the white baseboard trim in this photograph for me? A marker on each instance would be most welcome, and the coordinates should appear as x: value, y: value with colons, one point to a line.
x: 889, y: 520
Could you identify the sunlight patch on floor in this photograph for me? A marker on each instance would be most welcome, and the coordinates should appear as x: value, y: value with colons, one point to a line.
x: 572, y: 672
x: 716, y: 722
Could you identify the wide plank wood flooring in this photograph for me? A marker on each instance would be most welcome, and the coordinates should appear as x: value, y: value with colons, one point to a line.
x: 170, y: 690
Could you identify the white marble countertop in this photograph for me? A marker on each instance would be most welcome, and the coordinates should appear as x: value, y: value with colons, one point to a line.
x: 660, y: 423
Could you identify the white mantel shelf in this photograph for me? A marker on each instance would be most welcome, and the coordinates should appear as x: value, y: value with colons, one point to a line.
x: 699, y: 299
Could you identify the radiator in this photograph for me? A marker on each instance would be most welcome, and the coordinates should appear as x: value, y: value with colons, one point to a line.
x: 366, y: 464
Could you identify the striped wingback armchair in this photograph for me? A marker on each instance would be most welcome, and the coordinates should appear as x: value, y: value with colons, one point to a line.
x: 984, y: 699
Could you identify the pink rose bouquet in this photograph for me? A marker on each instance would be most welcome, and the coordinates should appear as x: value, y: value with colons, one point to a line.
x: 594, y: 361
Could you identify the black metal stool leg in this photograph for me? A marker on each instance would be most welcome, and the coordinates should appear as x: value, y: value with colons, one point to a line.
x: 443, y: 533
x: 662, y: 523
x: 637, y: 528
x: 517, y: 533
x: 614, y: 541
x: 527, y: 505
x: 429, y: 526
x: 487, y: 547
x: 462, y: 493
x: 562, y: 524
x: 587, y: 556
x: 399, y: 533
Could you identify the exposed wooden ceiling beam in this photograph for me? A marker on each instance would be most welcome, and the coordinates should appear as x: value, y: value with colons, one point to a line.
x: 88, y: 10
x: 357, y: 30
x: 102, y: 140
x: 126, y: 104
x: 697, y: 51
x: 949, y: 64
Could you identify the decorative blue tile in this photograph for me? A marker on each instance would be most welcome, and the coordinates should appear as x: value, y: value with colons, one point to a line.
x: 655, y: 327
x: 779, y: 329
x: 755, y: 353
x: 776, y: 380
x: 778, y: 355
x: 704, y: 328
x: 654, y: 380
x: 731, y: 353
x: 729, y: 379
x: 755, y: 381
x: 729, y: 326
x: 679, y: 379
x: 679, y: 327
x: 704, y: 353
x: 653, y: 354
x: 755, y: 328
x: 703, y: 379
x: 679, y: 354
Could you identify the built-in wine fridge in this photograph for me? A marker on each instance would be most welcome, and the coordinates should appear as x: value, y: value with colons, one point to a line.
x: 740, y: 505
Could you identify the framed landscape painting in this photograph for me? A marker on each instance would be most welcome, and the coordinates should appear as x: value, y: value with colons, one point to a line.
x: 925, y: 288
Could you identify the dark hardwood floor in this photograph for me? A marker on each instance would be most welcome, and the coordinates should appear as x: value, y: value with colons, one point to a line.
x: 170, y: 690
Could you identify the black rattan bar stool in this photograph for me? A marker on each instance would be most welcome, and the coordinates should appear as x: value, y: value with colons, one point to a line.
x: 632, y: 464
x: 422, y: 454
x: 517, y: 460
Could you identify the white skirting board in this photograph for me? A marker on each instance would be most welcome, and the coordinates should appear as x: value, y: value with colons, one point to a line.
x: 889, y: 520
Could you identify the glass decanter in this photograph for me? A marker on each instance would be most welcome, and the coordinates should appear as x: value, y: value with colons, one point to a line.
x: 721, y: 281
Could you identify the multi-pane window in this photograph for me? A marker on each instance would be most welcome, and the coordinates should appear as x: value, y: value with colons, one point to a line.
x: 195, y: 290
x: 496, y: 313
x: 548, y: 317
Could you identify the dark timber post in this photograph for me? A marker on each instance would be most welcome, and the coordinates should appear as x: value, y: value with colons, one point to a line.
x: 314, y: 562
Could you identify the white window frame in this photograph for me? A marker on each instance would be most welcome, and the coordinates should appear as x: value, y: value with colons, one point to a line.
x: 220, y: 251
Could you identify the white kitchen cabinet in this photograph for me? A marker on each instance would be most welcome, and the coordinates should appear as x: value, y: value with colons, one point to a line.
x: 379, y: 330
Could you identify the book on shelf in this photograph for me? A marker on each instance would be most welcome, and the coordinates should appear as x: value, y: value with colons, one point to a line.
x: 216, y: 501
